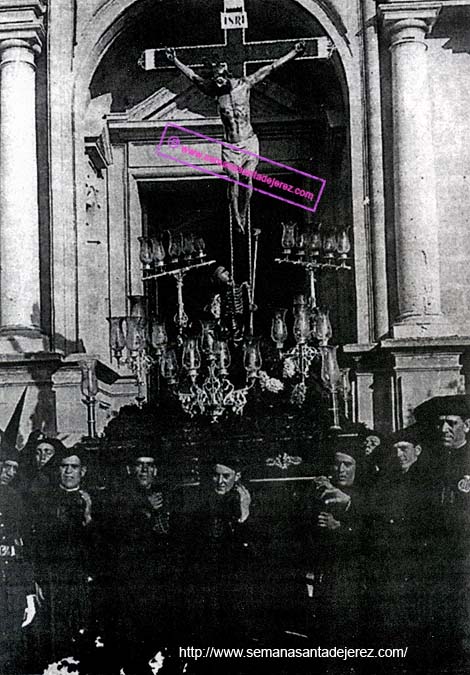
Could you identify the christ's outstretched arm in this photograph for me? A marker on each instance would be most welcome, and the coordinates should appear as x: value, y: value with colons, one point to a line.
x: 263, y: 72
x: 187, y: 71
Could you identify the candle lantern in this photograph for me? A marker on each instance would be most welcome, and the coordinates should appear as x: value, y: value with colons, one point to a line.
x: 301, y: 320
x: 252, y: 361
x: 279, y: 328
x: 222, y: 355
x: 191, y: 358
x: 146, y: 254
x: 288, y: 238
x: 117, y: 341
x: 158, y: 253
x: 169, y: 366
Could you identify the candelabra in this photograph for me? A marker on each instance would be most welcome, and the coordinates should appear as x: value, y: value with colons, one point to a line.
x: 298, y: 360
x: 312, y: 330
x: 144, y: 340
x: 180, y: 318
x: 183, y: 254
x: 181, y: 251
x: 202, y: 382
x: 196, y: 367
x: 318, y: 248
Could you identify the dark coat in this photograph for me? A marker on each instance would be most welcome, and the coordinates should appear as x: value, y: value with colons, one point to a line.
x: 401, y: 553
x: 215, y: 558
x: 16, y: 578
x: 401, y: 515
x: 137, y: 534
x: 452, y: 577
x: 63, y: 538
x: 334, y: 568
x: 212, y: 540
x: 15, y: 564
x: 139, y: 576
x: 64, y: 566
x: 454, y: 502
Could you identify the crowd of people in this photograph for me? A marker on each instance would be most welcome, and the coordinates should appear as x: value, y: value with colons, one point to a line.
x: 372, y: 549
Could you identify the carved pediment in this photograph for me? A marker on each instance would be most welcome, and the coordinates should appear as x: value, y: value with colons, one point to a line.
x: 180, y: 100
x: 177, y: 100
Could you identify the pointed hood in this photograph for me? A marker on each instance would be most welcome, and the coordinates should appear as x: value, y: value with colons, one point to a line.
x: 10, y: 434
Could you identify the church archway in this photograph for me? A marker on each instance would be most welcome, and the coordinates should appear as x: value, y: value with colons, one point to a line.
x: 115, y: 19
x: 117, y: 37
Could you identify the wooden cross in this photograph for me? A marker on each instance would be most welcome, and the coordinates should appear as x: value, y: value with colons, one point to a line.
x: 235, y: 51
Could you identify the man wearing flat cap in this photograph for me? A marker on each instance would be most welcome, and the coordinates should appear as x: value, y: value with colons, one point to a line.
x: 448, y: 419
x: 400, y: 522
x: 445, y: 418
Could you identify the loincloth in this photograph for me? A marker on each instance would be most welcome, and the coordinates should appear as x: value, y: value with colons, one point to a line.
x: 239, y: 156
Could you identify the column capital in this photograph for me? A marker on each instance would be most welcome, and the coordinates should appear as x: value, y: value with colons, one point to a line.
x: 400, y: 14
x: 22, y: 21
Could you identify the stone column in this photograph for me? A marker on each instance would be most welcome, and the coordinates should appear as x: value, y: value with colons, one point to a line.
x: 21, y: 34
x: 376, y: 205
x: 416, y: 219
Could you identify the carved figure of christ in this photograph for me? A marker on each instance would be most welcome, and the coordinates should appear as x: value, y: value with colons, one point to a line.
x: 233, y: 98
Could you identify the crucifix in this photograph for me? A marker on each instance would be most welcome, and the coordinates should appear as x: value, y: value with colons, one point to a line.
x: 233, y: 98
x: 232, y: 88
x: 230, y: 85
x: 235, y: 49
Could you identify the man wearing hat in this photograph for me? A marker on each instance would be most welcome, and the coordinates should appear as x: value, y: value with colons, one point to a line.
x: 214, y: 530
x: 39, y: 464
x: 64, y: 544
x: 145, y: 493
x: 400, y: 518
x: 447, y: 419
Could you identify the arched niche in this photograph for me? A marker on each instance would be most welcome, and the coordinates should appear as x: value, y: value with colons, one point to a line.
x: 115, y: 21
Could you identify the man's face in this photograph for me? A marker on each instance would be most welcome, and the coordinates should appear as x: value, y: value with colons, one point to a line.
x: 44, y: 452
x: 224, y: 478
x: 407, y: 454
x: 8, y: 471
x: 344, y: 470
x: 371, y: 443
x: 452, y: 431
x: 71, y: 472
x: 144, y: 471
x: 220, y: 78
